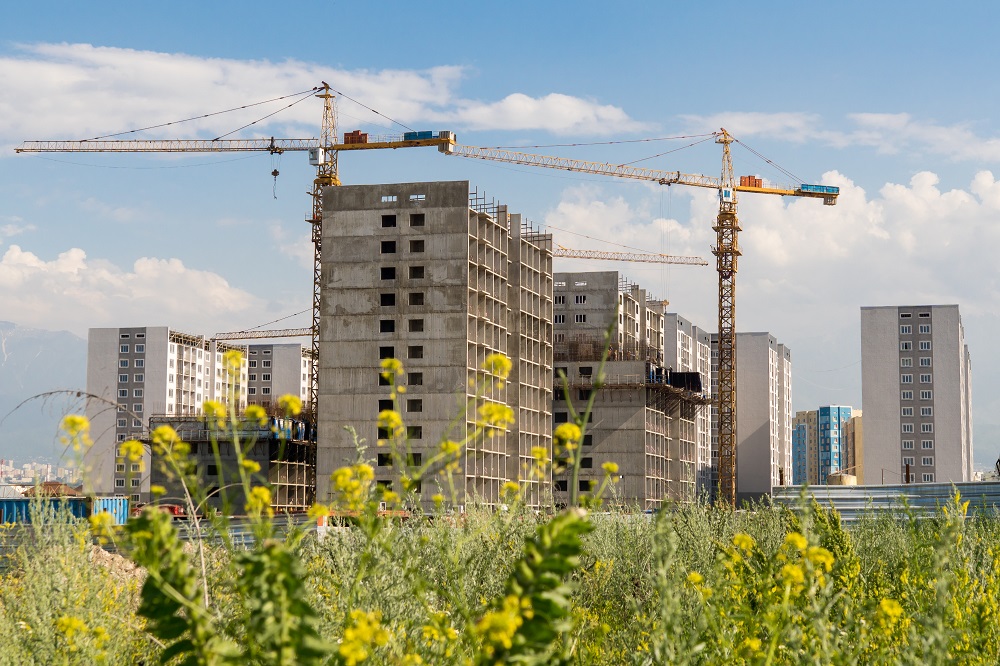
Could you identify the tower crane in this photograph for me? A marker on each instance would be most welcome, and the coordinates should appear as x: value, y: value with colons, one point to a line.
x: 726, y: 251
x: 570, y: 253
x: 323, y: 154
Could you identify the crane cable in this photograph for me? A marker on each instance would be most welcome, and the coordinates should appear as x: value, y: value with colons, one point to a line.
x: 785, y: 172
x: 207, y: 115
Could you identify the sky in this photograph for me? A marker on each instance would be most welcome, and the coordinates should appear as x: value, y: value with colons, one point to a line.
x: 893, y: 102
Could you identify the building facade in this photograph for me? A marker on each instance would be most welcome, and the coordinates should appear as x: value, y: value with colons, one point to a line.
x: 687, y: 348
x: 916, y: 395
x: 641, y: 421
x: 134, y: 373
x: 275, y: 370
x: 763, y: 413
x: 439, y: 277
x: 821, y: 445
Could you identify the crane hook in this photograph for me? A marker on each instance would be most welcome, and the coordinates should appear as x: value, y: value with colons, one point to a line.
x: 274, y: 190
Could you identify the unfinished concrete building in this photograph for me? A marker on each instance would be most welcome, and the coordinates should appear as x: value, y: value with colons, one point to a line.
x: 439, y: 277
x: 284, y: 448
x: 640, y: 421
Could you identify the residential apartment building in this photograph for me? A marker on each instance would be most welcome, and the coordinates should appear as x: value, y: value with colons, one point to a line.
x: 763, y: 413
x: 640, y: 420
x: 275, y: 370
x: 916, y: 394
x: 439, y: 277
x: 820, y: 444
x: 137, y: 372
x: 688, y: 348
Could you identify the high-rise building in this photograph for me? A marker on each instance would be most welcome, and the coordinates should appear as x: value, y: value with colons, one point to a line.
x: 644, y: 418
x: 137, y: 372
x: 440, y: 278
x: 687, y: 348
x: 820, y: 444
x: 275, y: 370
x: 763, y: 413
x: 916, y: 394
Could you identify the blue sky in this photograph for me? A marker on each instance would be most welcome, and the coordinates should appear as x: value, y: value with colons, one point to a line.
x: 894, y: 102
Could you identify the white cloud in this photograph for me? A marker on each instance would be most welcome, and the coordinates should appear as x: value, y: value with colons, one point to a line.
x: 12, y: 225
x: 78, y: 91
x: 298, y: 247
x: 75, y: 293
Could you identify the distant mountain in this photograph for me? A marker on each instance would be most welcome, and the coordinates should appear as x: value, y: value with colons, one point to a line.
x: 34, y: 362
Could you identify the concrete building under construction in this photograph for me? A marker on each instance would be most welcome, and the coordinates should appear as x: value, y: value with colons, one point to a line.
x: 641, y: 420
x: 439, y: 277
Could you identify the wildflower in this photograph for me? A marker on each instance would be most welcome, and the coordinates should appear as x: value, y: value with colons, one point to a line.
x: 391, y: 421
x: 792, y: 574
x: 316, y: 511
x: 820, y: 557
x: 450, y: 448
x: 567, y: 436
x: 744, y: 542
x: 259, y: 502
x: 77, y: 429
x: 389, y: 496
x: 157, y: 490
x: 251, y: 466
x: 438, y: 500
x: 495, y: 417
x: 889, y: 612
x: 510, y: 488
x: 256, y: 413
x: 752, y: 645
x: 233, y: 360
x: 796, y: 541
x: 695, y: 578
x: 610, y: 468
x: 290, y: 404
x: 540, y: 454
x: 132, y: 450
x: 351, y: 485
x: 391, y: 368
x: 498, y: 364
x: 215, y: 410
x: 71, y: 625
x: 101, y: 524
x: 365, y: 632
x: 498, y: 627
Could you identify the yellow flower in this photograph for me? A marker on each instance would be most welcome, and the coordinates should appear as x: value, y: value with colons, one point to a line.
x: 102, y: 525
x: 132, y: 450
x: 889, y: 611
x: 251, y: 466
x: 796, y: 541
x: 391, y: 368
x: 497, y: 364
x: 290, y: 404
x: 567, y: 435
x: 392, y: 421
x: 744, y: 542
x: 259, y: 502
x: 610, y: 468
x: 540, y: 454
x: 351, y: 485
x: 157, y: 490
x: 215, y: 410
x: 256, y: 413
x: 166, y: 442
x: 820, y: 556
x: 695, y: 578
x: 498, y: 627
x: 359, y: 638
x: 316, y: 511
x: 510, y: 488
x: 793, y: 574
x: 71, y: 625
x: 450, y: 448
x: 438, y: 499
x: 233, y: 360
x: 751, y: 644
x: 495, y: 417
x: 77, y: 429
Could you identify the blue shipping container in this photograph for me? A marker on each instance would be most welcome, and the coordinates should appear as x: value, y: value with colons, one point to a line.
x: 820, y: 189
x: 19, y: 510
x: 116, y: 506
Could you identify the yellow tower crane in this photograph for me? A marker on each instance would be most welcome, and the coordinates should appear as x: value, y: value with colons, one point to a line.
x: 726, y: 251
x: 323, y: 154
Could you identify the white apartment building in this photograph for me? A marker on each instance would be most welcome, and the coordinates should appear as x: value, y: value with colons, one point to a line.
x: 763, y: 413
x: 916, y: 385
x: 687, y: 348
x: 138, y: 372
x: 439, y: 277
x: 274, y: 370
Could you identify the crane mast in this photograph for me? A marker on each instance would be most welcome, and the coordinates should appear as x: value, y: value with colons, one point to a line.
x: 727, y: 253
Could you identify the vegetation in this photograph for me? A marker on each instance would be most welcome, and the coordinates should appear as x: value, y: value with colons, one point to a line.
x: 693, y: 584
